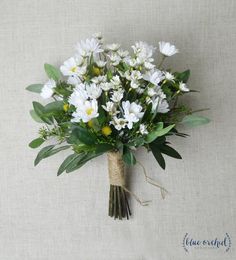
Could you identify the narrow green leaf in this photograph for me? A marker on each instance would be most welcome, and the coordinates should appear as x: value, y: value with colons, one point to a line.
x: 36, y: 88
x: 35, y: 117
x: 194, y: 120
x: 36, y: 142
x: 52, y: 72
x: 128, y: 156
x: 67, y: 162
x: 40, y: 112
x: 158, y: 156
x: 84, y: 135
x: 157, y: 132
x: 102, y: 148
x: 57, y: 150
x: 42, y: 153
x: 170, y: 151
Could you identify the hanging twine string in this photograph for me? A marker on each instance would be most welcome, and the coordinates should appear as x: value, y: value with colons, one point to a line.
x: 117, y: 176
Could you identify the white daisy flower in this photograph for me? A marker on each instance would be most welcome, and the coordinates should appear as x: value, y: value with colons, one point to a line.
x: 122, y: 53
x: 94, y: 91
x: 99, y: 79
x: 118, y: 123
x: 116, y: 81
x: 97, y: 35
x: 115, y: 58
x: 86, y: 111
x: 169, y: 76
x: 155, y: 76
x: 101, y: 63
x: 149, y: 65
x: 110, y: 107
x: 74, y: 80
x: 167, y: 49
x: 160, y: 105
x: 143, y: 129
x: 183, y: 87
x: 106, y: 86
x: 117, y: 95
x: 69, y: 67
x: 79, y: 96
x: 47, y: 90
x: 143, y: 50
x: 132, y: 112
x: 88, y: 47
x: 112, y: 47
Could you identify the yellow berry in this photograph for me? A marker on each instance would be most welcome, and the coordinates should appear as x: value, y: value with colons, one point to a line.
x: 66, y: 107
x: 106, y: 130
x: 90, y: 123
x: 96, y: 71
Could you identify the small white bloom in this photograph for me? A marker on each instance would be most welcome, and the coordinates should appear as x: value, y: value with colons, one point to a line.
x: 118, y: 123
x: 73, y: 80
x: 155, y: 76
x: 110, y: 107
x: 69, y: 67
x: 151, y: 92
x: 117, y: 95
x: 116, y: 81
x: 99, y: 79
x: 101, y: 63
x: 79, y: 96
x: 86, y: 111
x: 130, y: 61
x: 169, y: 76
x: 132, y: 112
x: 167, y: 49
x: 47, y: 90
x: 122, y: 53
x: 143, y: 50
x: 88, y: 47
x: 106, y: 86
x: 160, y: 105
x: 97, y: 35
x: 115, y: 58
x: 143, y: 129
x: 94, y: 91
x: 112, y: 47
x: 149, y: 65
x: 183, y: 87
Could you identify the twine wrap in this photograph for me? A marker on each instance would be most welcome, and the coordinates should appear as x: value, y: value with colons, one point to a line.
x: 116, y: 169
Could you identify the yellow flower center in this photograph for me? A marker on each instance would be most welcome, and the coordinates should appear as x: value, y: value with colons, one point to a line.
x: 74, y: 69
x: 89, y: 111
x: 106, y: 130
x: 66, y: 107
x: 96, y: 71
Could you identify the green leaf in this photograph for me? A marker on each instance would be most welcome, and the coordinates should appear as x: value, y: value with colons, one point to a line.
x: 83, y: 135
x: 66, y: 163
x: 157, y: 154
x: 183, y: 76
x: 157, y: 132
x: 49, y: 151
x: 194, y: 120
x: 40, y: 112
x: 148, y: 113
x: 36, y: 88
x: 102, y: 148
x: 36, y: 142
x: 35, y: 117
x: 52, y: 72
x: 53, y: 107
x: 128, y: 156
x: 170, y: 151
x: 42, y: 153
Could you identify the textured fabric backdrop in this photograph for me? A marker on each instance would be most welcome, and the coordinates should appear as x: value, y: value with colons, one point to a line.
x: 47, y: 217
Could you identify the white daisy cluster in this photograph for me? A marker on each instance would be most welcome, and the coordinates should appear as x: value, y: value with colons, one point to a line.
x: 121, y: 83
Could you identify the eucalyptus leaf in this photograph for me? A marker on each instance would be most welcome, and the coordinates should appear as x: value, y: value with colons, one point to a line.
x: 52, y: 72
x: 128, y: 156
x: 42, y: 153
x: 54, y: 107
x: 36, y: 88
x: 157, y: 154
x: 35, y: 117
x: 195, y: 120
x: 157, y: 132
x: 36, y: 142
x: 83, y: 135
x: 67, y: 162
x: 40, y: 112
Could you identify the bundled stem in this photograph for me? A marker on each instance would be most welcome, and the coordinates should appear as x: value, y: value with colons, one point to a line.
x: 118, y: 201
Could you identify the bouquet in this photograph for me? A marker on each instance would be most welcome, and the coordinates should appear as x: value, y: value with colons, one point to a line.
x: 106, y: 99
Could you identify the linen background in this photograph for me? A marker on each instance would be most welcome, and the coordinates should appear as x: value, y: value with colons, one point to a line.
x: 43, y: 216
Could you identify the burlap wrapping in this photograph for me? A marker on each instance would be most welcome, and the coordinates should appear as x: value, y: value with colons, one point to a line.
x: 116, y: 169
